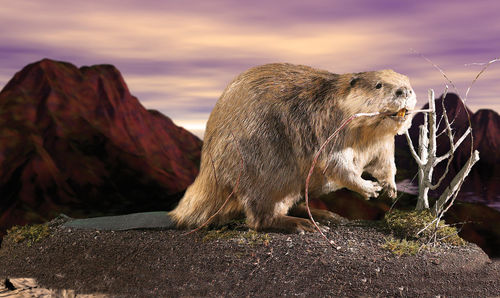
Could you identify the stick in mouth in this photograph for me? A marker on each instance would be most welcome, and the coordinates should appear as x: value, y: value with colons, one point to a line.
x: 403, y: 112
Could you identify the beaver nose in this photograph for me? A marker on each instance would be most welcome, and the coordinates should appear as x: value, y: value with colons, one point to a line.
x: 403, y: 92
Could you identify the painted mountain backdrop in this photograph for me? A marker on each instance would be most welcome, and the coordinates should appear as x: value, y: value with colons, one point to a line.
x: 75, y: 141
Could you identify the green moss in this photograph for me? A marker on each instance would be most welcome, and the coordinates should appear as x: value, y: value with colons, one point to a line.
x: 233, y: 231
x: 406, y: 224
x: 30, y: 233
x: 252, y: 237
x: 402, y: 247
x: 222, y: 233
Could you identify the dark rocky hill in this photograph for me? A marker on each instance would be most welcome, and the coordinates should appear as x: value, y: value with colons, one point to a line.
x: 74, y: 140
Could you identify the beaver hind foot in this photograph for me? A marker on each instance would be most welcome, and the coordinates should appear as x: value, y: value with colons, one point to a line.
x: 296, y: 221
x: 323, y: 216
x: 282, y: 223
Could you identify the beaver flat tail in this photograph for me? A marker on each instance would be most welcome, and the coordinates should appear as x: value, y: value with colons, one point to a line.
x: 145, y: 220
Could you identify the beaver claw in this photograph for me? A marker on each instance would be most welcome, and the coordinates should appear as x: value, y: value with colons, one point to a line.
x: 390, y: 189
x: 371, y: 189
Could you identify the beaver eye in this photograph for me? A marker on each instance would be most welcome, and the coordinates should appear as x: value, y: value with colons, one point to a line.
x: 378, y: 86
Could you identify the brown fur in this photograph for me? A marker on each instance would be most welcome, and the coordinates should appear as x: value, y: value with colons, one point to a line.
x: 280, y: 114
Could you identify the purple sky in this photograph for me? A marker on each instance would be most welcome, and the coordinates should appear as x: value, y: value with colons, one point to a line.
x: 177, y: 56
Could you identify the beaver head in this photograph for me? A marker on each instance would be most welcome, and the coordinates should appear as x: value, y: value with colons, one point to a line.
x: 386, y: 92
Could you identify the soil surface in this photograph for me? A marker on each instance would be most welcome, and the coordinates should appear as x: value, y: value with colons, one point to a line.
x: 236, y: 262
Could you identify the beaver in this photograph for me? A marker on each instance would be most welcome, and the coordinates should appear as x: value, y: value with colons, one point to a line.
x: 266, y: 127
x: 261, y: 139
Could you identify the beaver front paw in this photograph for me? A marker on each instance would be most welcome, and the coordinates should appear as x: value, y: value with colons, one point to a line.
x: 390, y: 189
x: 370, y: 189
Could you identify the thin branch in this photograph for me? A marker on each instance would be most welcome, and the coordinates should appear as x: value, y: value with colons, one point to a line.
x: 452, y: 148
x: 422, y: 144
x: 402, y: 193
x: 448, y: 125
x: 419, y: 111
x: 452, y: 84
x: 445, y: 93
x: 438, y: 68
x: 440, y: 180
x: 448, y: 236
x: 441, y: 158
x: 479, y: 74
x: 426, y: 227
x: 455, y: 145
x: 412, y: 149
x: 462, y: 138
x: 432, y: 129
x: 439, y: 214
x: 442, y: 132
x: 455, y: 184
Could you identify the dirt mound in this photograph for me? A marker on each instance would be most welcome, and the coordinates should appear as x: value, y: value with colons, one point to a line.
x: 245, y: 263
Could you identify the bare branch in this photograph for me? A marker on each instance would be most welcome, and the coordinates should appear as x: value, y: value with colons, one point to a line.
x: 449, y: 155
x: 441, y: 158
x: 448, y: 125
x: 420, y: 111
x: 427, y: 226
x: 432, y: 128
x: 455, y: 184
x: 452, y: 148
x: 454, y: 145
x: 440, y: 180
x: 423, y: 141
x: 438, y: 68
x: 424, y: 171
x: 479, y: 74
x: 427, y: 151
x: 445, y: 93
x: 462, y: 138
x: 412, y: 149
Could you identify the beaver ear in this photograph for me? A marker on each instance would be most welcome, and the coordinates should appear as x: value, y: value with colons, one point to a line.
x: 353, y: 81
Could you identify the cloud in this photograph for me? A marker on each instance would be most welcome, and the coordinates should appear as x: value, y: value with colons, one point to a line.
x: 177, y: 56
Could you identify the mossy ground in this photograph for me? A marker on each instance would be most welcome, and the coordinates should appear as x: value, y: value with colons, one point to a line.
x: 416, y: 230
x: 402, y: 246
x: 29, y: 233
x: 237, y: 230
